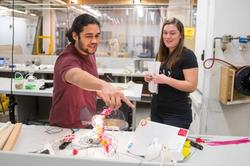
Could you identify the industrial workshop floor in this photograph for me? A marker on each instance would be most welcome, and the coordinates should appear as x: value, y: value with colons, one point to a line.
x: 4, y: 117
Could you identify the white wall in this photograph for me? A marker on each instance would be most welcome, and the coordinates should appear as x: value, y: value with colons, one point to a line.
x: 201, y: 36
x: 21, y: 35
x: 222, y: 18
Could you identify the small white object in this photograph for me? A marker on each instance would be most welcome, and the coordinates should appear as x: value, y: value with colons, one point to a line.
x: 153, y: 151
x: 30, y: 77
x: 168, y: 156
x: 160, y: 152
x: 97, y: 120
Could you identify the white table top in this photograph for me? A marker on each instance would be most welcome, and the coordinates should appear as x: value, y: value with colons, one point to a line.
x: 36, y: 69
x: 34, y: 138
x: 49, y: 69
x: 119, y: 72
x: 5, y: 87
x: 133, y: 91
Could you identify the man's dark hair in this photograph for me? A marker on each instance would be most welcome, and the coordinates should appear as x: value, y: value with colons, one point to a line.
x: 78, y: 24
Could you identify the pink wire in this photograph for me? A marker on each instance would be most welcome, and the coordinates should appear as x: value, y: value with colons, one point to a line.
x: 229, y: 142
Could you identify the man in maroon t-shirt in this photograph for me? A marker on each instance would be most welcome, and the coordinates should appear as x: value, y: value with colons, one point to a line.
x: 76, y: 81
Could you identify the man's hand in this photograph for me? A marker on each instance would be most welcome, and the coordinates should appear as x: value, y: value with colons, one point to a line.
x: 113, y: 97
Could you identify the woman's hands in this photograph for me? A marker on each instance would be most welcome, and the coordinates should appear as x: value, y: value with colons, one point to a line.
x: 189, y: 84
x: 148, y: 77
x: 156, y: 78
x: 160, y: 79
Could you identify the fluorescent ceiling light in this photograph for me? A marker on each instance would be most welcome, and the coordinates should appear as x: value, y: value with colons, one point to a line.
x: 5, y: 9
x: 76, y: 9
x: 127, y: 12
x: 62, y: 2
x: 136, y: 1
x: 139, y: 9
x: 32, y: 14
x: 91, y: 11
x: 74, y: 1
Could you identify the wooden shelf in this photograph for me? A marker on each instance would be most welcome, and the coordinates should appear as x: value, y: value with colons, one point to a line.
x: 228, y: 94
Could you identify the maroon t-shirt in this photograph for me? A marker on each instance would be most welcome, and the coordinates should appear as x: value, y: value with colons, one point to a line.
x: 70, y: 104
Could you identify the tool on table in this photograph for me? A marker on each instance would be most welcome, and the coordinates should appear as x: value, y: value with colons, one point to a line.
x: 64, y: 145
x: 68, y: 139
x: 46, y: 85
x: 200, y: 139
x: 47, y: 149
x: 195, y: 144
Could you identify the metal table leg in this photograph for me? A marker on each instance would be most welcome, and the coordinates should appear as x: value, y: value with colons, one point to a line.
x: 134, y: 116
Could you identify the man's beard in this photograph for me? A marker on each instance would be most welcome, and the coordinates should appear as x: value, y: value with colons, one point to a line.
x: 85, y: 50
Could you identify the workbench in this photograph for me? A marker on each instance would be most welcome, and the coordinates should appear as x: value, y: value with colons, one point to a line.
x: 26, y: 98
x: 33, y: 138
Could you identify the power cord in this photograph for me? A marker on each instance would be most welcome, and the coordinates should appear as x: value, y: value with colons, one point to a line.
x: 53, y: 129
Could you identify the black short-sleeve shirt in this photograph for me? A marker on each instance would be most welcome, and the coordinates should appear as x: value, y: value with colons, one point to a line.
x: 170, y: 100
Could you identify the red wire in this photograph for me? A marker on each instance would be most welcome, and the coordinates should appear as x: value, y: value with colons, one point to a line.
x: 213, y: 59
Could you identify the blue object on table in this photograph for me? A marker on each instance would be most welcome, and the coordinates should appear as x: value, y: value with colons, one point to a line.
x: 12, y: 66
x: 2, y: 62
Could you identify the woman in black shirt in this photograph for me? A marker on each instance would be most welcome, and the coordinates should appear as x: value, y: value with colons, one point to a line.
x: 177, y: 78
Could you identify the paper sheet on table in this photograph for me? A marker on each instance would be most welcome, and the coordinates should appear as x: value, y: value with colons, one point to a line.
x: 147, y: 131
x: 153, y: 68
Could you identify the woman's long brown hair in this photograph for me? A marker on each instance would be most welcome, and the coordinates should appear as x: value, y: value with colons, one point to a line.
x: 164, y: 55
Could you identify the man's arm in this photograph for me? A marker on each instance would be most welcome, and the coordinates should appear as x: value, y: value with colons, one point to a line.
x: 84, y: 80
x: 111, y: 96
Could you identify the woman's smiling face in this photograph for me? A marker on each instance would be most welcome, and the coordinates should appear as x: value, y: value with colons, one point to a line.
x: 171, y: 36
